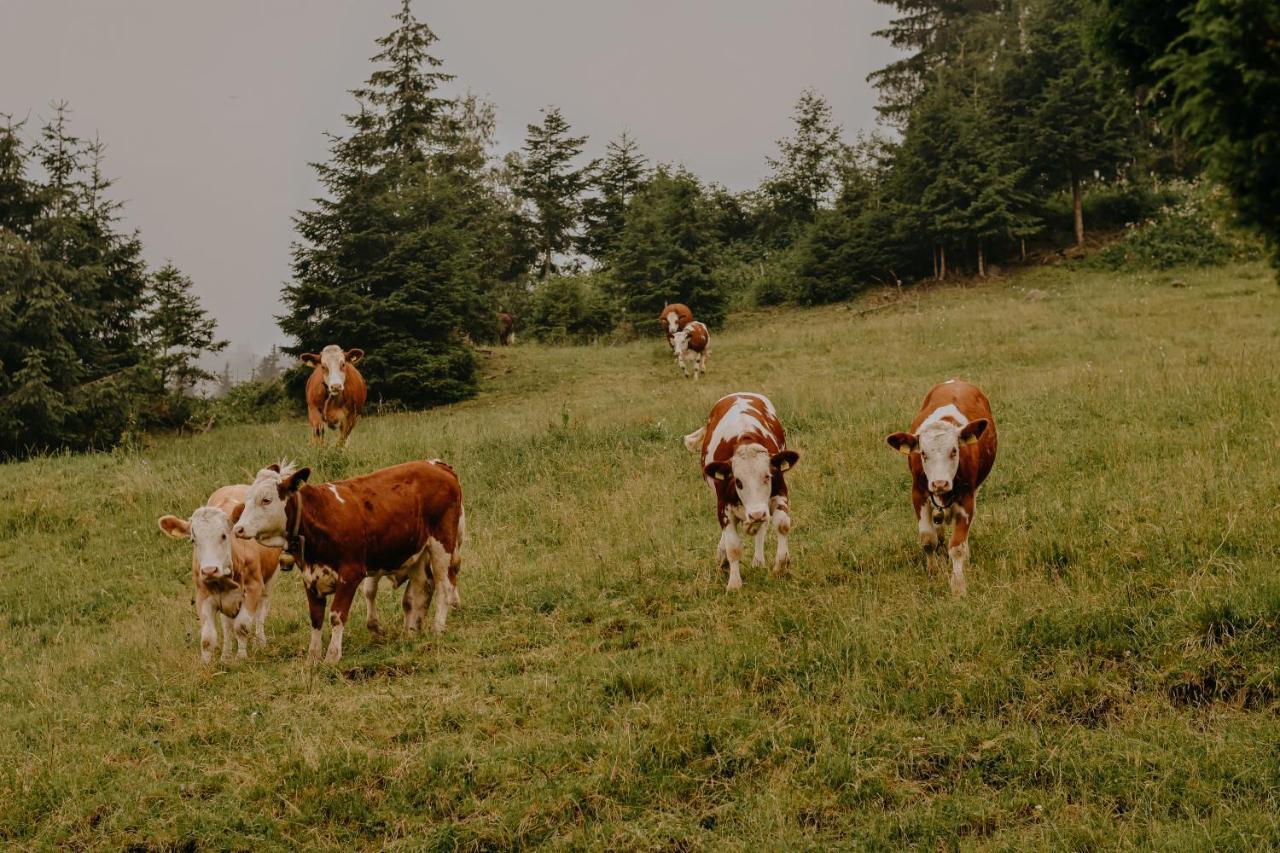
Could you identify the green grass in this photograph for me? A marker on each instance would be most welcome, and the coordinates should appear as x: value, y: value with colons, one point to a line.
x: 1112, y: 678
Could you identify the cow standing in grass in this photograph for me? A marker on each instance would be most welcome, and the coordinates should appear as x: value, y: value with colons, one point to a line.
x: 506, y: 329
x: 335, y: 392
x: 673, y: 318
x: 232, y: 577
x: 691, y: 345
x: 950, y: 449
x: 743, y: 453
x: 405, y: 522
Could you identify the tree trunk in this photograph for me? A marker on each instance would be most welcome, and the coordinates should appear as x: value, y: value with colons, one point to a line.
x: 934, y: 253
x: 1077, y: 204
x: 942, y: 255
x: 1024, y: 249
x: 982, y: 261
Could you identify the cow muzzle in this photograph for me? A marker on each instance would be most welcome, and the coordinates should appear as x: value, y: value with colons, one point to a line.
x: 940, y: 488
x: 210, y: 572
x: 334, y: 391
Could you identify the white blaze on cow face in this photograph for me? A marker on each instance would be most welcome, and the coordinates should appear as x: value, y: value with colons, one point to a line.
x: 753, y: 478
x: 938, y: 441
x: 334, y: 362
x: 209, y: 530
x: 263, y: 517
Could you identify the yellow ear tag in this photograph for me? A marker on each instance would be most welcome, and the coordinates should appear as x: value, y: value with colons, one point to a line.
x: 904, y: 450
x: 969, y: 439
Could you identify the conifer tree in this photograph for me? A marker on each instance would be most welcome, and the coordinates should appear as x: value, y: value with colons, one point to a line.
x: 620, y: 175
x: 550, y: 182
x: 177, y: 331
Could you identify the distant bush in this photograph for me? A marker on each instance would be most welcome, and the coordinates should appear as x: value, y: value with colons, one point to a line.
x: 1189, y: 230
x: 253, y: 402
x: 571, y: 309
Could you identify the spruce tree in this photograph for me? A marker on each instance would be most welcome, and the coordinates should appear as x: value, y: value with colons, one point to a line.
x: 550, y: 182
x: 398, y: 257
x: 177, y: 331
x: 806, y: 170
x: 666, y: 252
x: 620, y: 175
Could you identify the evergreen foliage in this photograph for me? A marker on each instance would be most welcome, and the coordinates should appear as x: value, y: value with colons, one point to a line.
x: 548, y: 180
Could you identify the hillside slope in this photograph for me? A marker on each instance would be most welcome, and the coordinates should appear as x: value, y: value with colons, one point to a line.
x: 1111, y: 678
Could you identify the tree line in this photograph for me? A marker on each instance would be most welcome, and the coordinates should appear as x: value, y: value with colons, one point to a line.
x: 1011, y: 127
x: 94, y: 345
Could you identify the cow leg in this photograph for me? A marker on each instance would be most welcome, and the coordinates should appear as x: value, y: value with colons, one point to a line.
x: 264, y: 605
x: 700, y: 366
x: 315, y: 606
x: 781, y: 520
x: 417, y: 595
x: 930, y: 533
x: 370, y: 587
x: 345, y: 428
x: 242, y: 624
x: 440, y: 561
x: 455, y: 561
x: 317, y: 427
x: 208, y: 627
x: 732, y: 544
x: 757, y: 558
x: 338, y: 614
x: 959, y: 549
x: 228, y: 633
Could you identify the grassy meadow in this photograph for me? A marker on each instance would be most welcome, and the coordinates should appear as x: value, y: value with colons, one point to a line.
x: 1111, y: 680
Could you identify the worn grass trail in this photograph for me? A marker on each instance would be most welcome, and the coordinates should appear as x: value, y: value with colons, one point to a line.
x: 1112, y: 679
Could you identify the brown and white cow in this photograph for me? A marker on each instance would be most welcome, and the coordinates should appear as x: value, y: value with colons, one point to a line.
x: 691, y: 345
x: 506, y: 329
x: 335, y: 392
x: 402, y: 521
x: 232, y: 577
x: 950, y: 450
x: 744, y: 455
x: 673, y: 318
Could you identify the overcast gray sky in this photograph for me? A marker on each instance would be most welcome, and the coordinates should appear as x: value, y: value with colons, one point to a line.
x: 212, y: 110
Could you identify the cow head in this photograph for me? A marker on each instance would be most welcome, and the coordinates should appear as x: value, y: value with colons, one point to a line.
x: 262, y: 516
x: 680, y: 340
x: 750, y: 472
x: 209, y: 530
x: 939, y: 446
x: 333, y: 361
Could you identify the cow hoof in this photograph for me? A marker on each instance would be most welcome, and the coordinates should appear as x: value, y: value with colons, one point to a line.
x: 958, y: 587
x: 781, y: 565
x: 375, y: 628
x: 733, y: 586
x: 757, y: 562
x: 331, y: 657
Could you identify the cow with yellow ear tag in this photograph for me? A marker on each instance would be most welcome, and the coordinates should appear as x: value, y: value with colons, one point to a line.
x: 950, y: 450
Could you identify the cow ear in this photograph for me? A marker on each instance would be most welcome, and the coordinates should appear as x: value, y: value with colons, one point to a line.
x: 903, y: 442
x: 178, y: 528
x: 972, y: 431
x: 354, y: 355
x: 718, y: 470
x: 296, y: 480
x: 236, y: 512
x: 274, y: 466
x: 310, y: 359
x: 786, y: 460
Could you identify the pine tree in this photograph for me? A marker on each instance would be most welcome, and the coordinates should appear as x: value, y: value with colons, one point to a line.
x: 806, y: 170
x: 666, y: 251
x: 400, y: 255
x: 549, y: 181
x: 177, y: 331
x: 620, y: 175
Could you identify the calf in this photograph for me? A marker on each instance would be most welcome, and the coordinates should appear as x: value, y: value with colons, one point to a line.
x: 335, y: 392
x: 405, y: 521
x: 673, y: 318
x: 506, y: 329
x: 691, y: 344
x: 232, y: 577
x: 743, y: 453
x: 950, y: 450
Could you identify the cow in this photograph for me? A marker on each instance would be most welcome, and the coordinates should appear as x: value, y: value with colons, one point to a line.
x: 335, y: 392
x: 743, y: 451
x: 405, y: 522
x: 950, y: 450
x: 673, y: 318
x: 691, y: 345
x: 506, y: 329
x: 232, y: 577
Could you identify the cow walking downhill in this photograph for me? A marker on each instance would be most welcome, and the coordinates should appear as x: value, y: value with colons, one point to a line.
x: 232, y: 577
x: 744, y: 455
x: 335, y: 392
x: 405, y: 522
x: 950, y: 450
x: 691, y: 345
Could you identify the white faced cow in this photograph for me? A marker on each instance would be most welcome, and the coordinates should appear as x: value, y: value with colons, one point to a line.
x: 691, y: 345
x: 744, y: 455
x: 335, y: 392
x: 232, y: 577
x: 950, y: 450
